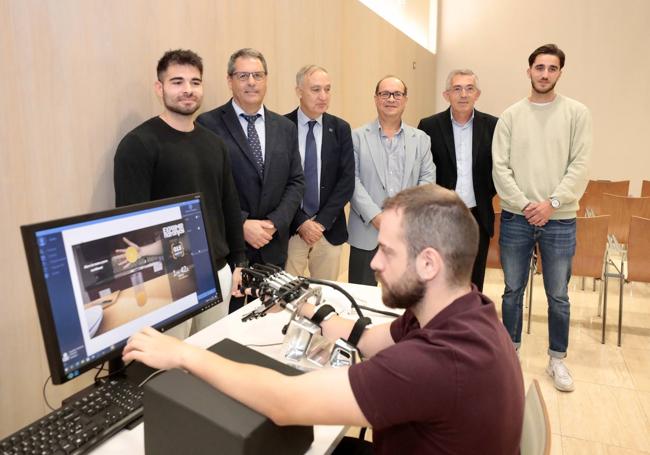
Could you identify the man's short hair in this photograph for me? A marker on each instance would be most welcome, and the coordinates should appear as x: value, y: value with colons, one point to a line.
x: 246, y: 52
x: 435, y: 217
x: 461, y: 72
x: 179, y: 57
x: 550, y: 49
x: 389, y: 77
x: 307, y: 71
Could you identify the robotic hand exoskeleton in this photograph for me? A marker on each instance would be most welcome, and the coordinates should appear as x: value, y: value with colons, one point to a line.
x: 303, y: 343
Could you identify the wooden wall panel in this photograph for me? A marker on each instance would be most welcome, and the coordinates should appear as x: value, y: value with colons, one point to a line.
x: 77, y: 75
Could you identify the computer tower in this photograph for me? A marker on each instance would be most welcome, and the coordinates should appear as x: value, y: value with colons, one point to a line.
x: 183, y: 414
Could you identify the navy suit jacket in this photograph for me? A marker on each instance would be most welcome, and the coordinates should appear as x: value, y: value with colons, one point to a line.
x: 441, y: 132
x: 336, y: 178
x: 275, y: 196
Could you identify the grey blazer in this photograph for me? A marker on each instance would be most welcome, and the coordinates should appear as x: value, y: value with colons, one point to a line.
x: 370, y: 177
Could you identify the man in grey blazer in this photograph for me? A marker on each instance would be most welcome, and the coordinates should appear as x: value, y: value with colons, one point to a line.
x: 389, y: 157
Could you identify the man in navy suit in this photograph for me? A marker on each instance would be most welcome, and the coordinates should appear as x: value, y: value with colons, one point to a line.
x: 461, y: 144
x: 265, y: 162
x: 263, y: 149
x: 325, y: 142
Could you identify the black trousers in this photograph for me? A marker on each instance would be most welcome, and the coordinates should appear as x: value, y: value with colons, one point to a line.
x: 359, y: 271
x: 478, y: 272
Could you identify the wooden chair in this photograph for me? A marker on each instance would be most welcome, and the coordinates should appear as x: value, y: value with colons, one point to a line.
x: 620, y: 187
x: 591, y: 200
x: 591, y: 246
x: 645, y: 188
x: 493, y: 257
x: 621, y: 209
x: 536, y: 430
x: 638, y: 266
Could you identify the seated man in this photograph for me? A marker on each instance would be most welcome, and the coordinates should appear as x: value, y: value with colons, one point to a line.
x: 442, y: 378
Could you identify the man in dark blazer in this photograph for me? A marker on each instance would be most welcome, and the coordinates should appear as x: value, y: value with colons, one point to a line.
x: 461, y: 144
x: 263, y: 150
x: 325, y: 142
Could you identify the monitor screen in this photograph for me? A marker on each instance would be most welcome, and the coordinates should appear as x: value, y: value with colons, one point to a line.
x: 101, y: 277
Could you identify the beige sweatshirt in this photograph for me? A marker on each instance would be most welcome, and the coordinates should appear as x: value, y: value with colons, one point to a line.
x: 542, y: 151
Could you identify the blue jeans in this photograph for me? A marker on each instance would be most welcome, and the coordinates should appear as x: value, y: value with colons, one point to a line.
x: 557, y: 246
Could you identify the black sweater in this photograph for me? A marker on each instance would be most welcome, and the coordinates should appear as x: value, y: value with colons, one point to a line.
x: 156, y: 161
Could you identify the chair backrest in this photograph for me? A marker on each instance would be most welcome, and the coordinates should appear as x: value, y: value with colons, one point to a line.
x: 620, y: 187
x: 590, y: 200
x: 496, y: 203
x: 591, y: 243
x: 621, y: 209
x: 536, y: 431
x: 638, y: 250
x: 645, y: 188
x: 493, y: 257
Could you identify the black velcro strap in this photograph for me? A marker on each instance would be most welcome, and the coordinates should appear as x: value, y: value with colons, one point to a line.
x: 357, y: 331
x: 322, y: 312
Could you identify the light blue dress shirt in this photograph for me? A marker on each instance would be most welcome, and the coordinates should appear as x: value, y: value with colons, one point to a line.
x: 463, y: 146
x: 395, y: 149
x: 259, y: 125
x: 303, y: 128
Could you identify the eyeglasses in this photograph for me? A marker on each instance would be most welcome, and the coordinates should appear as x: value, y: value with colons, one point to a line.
x: 243, y: 76
x: 396, y: 95
x: 458, y: 89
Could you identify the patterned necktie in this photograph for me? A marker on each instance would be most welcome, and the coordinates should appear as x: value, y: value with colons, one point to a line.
x: 310, y: 199
x: 254, y: 142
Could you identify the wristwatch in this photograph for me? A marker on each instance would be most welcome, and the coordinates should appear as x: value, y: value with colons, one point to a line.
x: 555, y: 202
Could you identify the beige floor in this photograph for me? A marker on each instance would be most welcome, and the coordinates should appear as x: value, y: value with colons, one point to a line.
x: 609, y: 411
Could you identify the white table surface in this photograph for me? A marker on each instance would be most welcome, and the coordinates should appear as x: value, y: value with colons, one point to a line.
x: 262, y: 331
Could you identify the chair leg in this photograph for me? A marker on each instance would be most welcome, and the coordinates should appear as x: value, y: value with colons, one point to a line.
x: 605, y: 282
x: 600, y: 297
x: 620, y: 309
x: 530, y: 293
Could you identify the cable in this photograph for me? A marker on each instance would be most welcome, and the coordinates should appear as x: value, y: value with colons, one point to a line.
x: 355, y: 305
x: 375, y: 310
x: 151, y: 376
x: 262, y: 345
x: 44, y: 395
x: 99, y: 370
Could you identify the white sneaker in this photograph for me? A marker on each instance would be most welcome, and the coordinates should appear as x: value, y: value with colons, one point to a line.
x: 560, y: 374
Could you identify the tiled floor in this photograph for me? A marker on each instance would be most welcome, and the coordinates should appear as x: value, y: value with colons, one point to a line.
x: 609, y: 411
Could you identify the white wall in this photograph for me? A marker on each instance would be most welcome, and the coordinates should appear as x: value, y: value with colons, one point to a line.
x: 607, y: 66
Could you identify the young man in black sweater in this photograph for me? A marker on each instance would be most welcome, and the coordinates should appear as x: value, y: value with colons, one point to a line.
x: 170, y: 155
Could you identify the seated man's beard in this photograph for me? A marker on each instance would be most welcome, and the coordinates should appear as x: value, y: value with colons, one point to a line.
x: 408, y: 291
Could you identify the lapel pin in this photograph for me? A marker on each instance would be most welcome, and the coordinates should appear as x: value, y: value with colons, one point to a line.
x: 331, y: 130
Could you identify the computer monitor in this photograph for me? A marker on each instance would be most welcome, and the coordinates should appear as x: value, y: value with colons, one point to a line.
x: 99, y: 278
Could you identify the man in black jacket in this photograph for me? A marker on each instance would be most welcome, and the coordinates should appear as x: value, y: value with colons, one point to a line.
x: 461, y: 143
x: 325, y: 142
x: 169, y: 155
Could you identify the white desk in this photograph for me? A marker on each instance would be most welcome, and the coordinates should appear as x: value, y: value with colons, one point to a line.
x: 262, y: 331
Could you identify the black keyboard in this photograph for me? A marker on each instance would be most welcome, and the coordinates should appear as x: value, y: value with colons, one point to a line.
x: 81, y: 423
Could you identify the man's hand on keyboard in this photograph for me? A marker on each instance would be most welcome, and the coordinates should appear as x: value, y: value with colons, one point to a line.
x: 155, y: 349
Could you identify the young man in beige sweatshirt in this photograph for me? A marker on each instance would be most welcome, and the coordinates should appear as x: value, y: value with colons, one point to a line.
x: 540, y: 153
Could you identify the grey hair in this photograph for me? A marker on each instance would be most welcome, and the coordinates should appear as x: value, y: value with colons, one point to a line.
x: 246, y: 52
x: 306, y: 71
x: 461, y: 72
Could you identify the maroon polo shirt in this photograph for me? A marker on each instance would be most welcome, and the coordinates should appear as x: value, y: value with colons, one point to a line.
x: 453, y: 386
